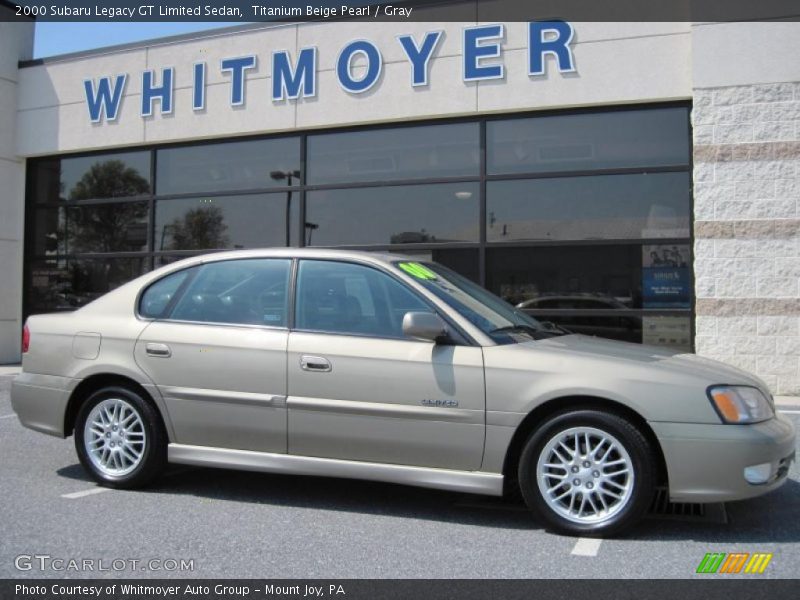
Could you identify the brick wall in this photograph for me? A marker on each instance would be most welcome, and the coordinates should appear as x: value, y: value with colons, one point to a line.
x: 747, y: 229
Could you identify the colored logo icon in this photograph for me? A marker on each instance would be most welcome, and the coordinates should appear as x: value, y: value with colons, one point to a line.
x: 735, y: 562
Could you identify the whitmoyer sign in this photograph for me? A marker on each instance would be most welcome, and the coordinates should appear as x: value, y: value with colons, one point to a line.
x: 358, y: 68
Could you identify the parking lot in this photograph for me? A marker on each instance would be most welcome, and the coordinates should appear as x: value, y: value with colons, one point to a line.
x: 235, y: 524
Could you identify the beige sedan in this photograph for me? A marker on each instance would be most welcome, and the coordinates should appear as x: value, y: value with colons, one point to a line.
x: 347, y: 364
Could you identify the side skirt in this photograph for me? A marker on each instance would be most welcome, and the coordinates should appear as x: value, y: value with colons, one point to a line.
x: 470, y: 482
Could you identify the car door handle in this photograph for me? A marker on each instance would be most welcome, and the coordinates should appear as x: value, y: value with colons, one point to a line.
x: 315, y: 363
x: 158, y: 350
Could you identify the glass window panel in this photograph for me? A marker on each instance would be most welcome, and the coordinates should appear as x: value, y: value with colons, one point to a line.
x: 597, y: 207
x: 158, y: 296
x: 120, y: 227
x: 245, y: 292
x: 66, y: 284
x: 90, y: 177
x: 396, y: 153
x: 437, y: 213
x: 230, y: 166
x: 647, y: 137
x: 207, y: 223
x: 570, y: 286
x: 591, y: 277
x: 345, y: 298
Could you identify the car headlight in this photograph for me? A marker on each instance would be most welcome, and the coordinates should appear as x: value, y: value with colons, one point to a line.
x: 740, y: 404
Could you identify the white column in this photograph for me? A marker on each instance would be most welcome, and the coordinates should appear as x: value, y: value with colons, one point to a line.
x: 16, y: 43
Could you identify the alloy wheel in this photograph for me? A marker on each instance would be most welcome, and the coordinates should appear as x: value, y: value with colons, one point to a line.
x: 585, y: 475
x: 114, y: 437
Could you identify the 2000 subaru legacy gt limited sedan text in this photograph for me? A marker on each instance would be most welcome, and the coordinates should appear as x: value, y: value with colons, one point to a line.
x: 348, y: 364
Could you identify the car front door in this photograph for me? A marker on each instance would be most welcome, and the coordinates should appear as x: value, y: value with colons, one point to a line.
x: 360, y: 390
x: 217, y: 352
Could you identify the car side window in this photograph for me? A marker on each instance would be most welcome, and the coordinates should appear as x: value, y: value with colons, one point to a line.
x: 243, y: 292
x: 346, y: 298
x: 157, y: 297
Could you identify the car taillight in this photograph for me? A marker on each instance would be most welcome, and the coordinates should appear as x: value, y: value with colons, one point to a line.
x: 26, y: 339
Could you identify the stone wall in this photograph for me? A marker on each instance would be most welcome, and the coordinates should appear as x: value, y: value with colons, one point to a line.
x: 747, y: 229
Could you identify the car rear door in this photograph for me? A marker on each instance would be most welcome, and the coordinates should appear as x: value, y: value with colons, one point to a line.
x: 359, y: 390
x: 218, y: 353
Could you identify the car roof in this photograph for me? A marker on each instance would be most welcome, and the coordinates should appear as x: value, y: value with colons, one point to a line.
x: 284, y: 252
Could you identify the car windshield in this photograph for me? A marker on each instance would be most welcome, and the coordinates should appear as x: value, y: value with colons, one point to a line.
x: 492, y: 315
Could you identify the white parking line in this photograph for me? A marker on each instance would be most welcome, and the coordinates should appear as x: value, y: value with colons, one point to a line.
x: 587, y: 547
x: 789, y: 412
x: 89, y: 492
x: 7, y: 416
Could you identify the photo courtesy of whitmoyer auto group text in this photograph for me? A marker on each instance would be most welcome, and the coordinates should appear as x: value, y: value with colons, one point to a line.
x: 424, y: 299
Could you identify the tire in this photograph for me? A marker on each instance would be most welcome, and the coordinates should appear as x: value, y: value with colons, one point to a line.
x: 120, y: 438
x: 604, y: 489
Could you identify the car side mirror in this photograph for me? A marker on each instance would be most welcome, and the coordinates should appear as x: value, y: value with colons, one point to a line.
x: 424, y: 326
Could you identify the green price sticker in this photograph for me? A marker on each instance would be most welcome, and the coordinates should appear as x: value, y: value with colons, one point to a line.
x: 417, y: 270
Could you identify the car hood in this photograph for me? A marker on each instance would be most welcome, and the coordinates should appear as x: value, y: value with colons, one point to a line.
x: 662, y: 359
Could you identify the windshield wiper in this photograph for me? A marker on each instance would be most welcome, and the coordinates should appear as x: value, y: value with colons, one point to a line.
x: 550, y: 326
x: 536, y: 334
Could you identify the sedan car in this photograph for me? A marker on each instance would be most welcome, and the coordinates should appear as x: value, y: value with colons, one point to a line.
x: 380, y: 367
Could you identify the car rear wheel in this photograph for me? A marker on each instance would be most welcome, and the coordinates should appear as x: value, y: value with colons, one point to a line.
x: 120, y: 439
x: 588, y: 473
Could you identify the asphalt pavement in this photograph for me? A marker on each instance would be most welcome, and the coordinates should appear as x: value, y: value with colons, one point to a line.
x: 237, y: 524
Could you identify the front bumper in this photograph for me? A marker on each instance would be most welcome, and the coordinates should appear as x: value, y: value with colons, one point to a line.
x: 706, y: 463
x: 40, y: 401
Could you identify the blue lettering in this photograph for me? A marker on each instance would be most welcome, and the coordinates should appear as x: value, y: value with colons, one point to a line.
x: 162, y: 92
x: 557, y: 44
x: 287, y: 82
x: 419, y: 56
x: 475, y: 52
x: 237, y: 67
x: 199, y: 88
x: 374, y: 66
x: 104, y: 99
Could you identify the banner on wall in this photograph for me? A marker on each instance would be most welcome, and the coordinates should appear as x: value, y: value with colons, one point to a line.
x: 666, y: 278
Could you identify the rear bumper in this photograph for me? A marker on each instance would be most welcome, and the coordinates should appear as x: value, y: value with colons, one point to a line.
x: 40, y: 401
x: 706, y: 463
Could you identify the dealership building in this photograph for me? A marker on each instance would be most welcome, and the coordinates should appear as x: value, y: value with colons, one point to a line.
x: 637, y: 181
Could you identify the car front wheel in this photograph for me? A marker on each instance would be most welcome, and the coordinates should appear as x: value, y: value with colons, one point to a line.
x: 120, y: 439
x: 588, y: 473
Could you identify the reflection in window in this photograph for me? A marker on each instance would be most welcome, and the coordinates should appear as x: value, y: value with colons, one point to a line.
x: 631, y: 138
x: 250, y: 221
x: 566, y: 284
x: 95, y: 177
x: 393, y: 215
x: 580, y: 208
x: 391, y: 154
x: 607, y: 276
x: 228, y: 166
x: 66, y: 284
x: 120, y: 227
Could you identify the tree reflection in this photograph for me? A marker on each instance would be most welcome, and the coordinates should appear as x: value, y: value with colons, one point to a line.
x: 199, y: 229
x: 108, y: 228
